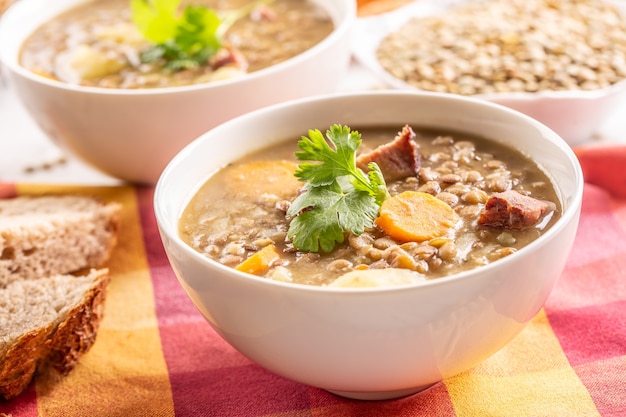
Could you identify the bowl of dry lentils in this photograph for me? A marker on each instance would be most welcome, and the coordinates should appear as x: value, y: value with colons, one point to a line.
x: 562, y: 62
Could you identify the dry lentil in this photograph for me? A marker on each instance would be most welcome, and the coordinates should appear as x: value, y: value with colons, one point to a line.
x: 510, y: 46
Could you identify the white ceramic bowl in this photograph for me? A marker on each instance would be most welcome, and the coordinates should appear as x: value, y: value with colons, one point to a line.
x: 371, y: 343
x: 577, y: 116
x: 132, y: 134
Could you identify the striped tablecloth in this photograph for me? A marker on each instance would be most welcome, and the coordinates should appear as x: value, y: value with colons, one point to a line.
x: 156, y: 356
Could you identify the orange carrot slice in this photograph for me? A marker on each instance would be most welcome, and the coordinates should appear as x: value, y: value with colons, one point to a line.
x: 415, y: 216
x: 260, y: 262
x: 263, y: 177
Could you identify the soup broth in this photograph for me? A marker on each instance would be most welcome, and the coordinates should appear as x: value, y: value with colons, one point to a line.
x: 241, y: 209
x: 96, y: 44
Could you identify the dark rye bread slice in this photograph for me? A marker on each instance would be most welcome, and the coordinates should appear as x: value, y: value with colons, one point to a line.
x: 47, y: 323
x: 47, y: 235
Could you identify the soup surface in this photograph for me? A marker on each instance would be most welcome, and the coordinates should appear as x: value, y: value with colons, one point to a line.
x: 96, y: 44
x: 499, y: 201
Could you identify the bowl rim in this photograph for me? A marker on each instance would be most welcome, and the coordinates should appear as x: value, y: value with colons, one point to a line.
x: 342, y: 28
x: 170, y: 230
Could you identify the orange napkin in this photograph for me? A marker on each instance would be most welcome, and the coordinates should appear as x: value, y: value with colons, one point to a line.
x: 156, y: 356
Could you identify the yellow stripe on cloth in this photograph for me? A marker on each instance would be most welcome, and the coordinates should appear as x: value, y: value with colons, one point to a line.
x: 529, y: 377
x: 126, y: 363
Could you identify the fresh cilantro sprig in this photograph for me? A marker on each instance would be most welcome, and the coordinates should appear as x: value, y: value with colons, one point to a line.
x: 184, y: 39
x: 338, y: 197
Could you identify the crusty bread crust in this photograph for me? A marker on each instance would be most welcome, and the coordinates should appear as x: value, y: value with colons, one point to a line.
x: 20, y: 362
x: 55, y: 346
x: 77, y: 333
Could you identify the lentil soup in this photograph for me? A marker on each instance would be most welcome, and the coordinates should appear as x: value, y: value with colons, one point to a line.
x: 499, y: 200
x: 96, y: 44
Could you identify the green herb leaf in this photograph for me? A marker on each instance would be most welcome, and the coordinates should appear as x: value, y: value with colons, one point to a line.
x: 338, y: 197
x: 336, y: 162
x: 156, y: 19
x: 183, y: 40
x: 319, y: 227
x: 377, y: 183
x: 197, y: 31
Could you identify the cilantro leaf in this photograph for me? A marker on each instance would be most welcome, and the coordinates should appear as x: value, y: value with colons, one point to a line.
x: 197, y: 31
x: 336, y: 161
x: 316, y: 228
x: 183, y: 40
x: 156, y: 19
x: 377, y: 183
x: 338, y: 197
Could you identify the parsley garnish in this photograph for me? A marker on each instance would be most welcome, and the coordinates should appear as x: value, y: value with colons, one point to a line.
x: 183, y: 40
x: 338, y: 197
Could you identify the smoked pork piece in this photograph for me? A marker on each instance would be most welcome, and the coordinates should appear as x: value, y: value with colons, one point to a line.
x: 512, y: 210
x: 398, y: 159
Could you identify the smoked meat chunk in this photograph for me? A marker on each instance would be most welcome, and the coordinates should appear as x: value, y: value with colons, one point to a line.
x: 512, y: 210
x: 398, y: 159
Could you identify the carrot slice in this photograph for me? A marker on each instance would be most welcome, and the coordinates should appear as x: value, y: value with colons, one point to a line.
x: 260, y: 262
x: 415, y: 216
x: 263, y: 177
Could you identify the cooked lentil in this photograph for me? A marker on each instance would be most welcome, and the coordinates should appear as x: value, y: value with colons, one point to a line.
x: 498, y: 46
x: 95, y: 44
x: 229, y: 223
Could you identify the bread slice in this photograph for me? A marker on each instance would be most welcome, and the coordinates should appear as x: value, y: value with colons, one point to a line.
x: 47, y: 322
x: 50, y: 309
x: 48, y: 235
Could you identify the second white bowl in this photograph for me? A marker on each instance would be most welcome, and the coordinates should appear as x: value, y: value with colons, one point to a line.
x: 132, y: 134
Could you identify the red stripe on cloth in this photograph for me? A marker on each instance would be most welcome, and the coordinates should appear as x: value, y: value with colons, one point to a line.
x: 7, y: 190
x: 25, y: 405
x: 152, y: 240
x: 594, y: 283
x: 592, y: 333
x: 209, y: 377
x: 172, y: 303
x: 603, y: 166
x: 600, y: 234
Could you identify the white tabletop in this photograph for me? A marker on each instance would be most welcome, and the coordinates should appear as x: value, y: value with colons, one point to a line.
x: 27, y: 155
